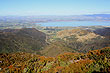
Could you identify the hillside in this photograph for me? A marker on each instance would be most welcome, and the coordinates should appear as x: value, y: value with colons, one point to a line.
x: 80, y: 35
x: 103, y: 31
x: 25, y: 40
x: 56, y: 48
x: 74, y: 40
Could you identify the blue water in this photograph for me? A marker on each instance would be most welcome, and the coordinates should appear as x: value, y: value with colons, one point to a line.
x: 75, y: 23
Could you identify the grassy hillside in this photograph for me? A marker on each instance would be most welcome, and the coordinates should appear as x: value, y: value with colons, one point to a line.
x: 26, y: 40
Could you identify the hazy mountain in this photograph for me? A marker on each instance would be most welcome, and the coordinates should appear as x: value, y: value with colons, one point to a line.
x: 99, y: 15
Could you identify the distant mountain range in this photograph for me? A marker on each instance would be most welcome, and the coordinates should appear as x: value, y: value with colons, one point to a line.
x: 37, y: 19
x: 100, y: 15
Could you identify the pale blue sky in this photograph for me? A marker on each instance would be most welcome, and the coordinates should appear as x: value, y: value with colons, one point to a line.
x: 54, y: 7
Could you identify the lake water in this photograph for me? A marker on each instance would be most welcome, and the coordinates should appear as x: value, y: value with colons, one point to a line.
x: 75, y: 23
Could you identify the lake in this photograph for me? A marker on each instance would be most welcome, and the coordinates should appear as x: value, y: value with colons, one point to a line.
x: 75, y: 23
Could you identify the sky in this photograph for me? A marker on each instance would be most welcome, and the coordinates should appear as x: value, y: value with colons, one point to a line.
x: 54, y: 7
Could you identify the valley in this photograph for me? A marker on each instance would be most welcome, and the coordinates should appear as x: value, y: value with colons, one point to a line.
x: 27, y: 47
x: 55, y: 49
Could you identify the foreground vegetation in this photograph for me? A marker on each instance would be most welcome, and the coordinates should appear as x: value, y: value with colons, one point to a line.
x: 93, y: 61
